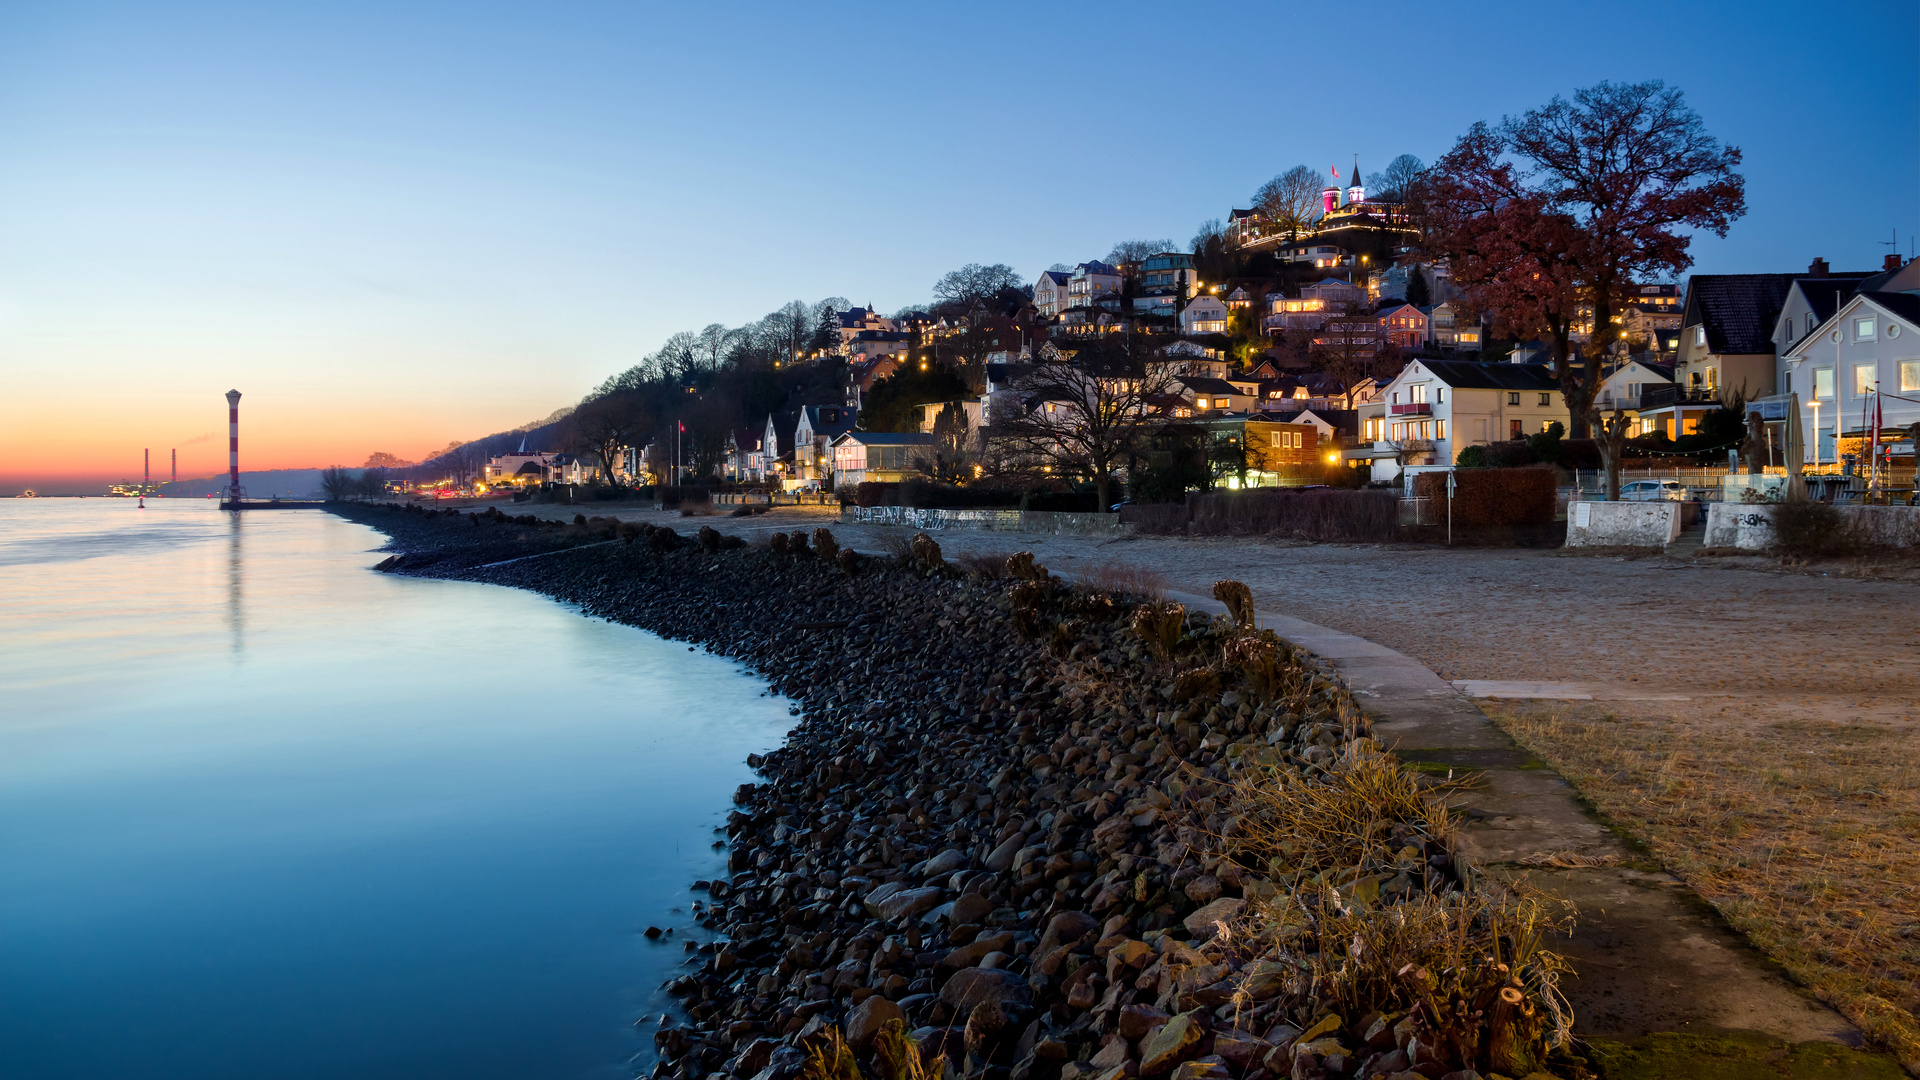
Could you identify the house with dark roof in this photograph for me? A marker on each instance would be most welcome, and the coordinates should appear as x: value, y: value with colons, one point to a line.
x: 1860, y: 372
x: 1050, y: 292
x: 1436, y: 408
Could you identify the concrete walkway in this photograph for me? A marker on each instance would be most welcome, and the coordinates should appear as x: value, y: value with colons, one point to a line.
x: 1650, y: 956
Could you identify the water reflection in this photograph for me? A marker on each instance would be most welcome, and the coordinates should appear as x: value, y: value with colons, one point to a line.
x: 236, y: 615
x: 371, y: 850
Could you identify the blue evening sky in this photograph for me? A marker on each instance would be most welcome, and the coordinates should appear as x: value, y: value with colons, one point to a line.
x: 456, y: 217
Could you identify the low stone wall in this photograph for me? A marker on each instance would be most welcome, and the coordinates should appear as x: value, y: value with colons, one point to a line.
x: 1623, y: 524
x: 1749, y: 526
x: 1030, y: 521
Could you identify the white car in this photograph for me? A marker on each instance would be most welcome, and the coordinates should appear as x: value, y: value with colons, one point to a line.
x: 1653, y: 491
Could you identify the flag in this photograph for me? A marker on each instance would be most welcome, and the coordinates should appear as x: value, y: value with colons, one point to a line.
x: 1335, y: 169
x: 683, y: 425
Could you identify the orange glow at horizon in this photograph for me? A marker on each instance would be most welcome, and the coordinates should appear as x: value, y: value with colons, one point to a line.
x: 47, y: 449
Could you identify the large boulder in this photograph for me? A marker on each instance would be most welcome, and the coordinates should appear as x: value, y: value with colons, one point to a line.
x: 905, y: 903
x: 1065, y: 929
x: 868, y: 1017
x: 1170, y: 1044
x: 971, y: 986
x: 1201, y: 923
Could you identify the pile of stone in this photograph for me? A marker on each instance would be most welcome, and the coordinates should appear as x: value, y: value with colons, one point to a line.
x: 1003, y: 824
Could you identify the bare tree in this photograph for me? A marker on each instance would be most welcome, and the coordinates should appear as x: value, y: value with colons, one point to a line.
x: 1394, y: 182
x: 974, y: 285
x: 337, y: 483
x: 1127, y: 251
x: 951, y: 459
x: 1290, y: 199
x: 603, y: 427
x: 1085, y: 418
x: 380, y: 459
x: 711, y: 346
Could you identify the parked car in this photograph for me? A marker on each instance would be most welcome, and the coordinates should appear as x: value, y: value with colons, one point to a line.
x: 1653, y: 491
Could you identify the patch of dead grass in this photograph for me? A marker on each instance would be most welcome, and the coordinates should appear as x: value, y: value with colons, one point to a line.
x: 1801, y: 833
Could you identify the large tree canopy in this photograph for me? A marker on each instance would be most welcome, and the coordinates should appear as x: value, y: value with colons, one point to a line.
x: 1550, y: 217
x: 1290, y: 199
x: 974, y: 285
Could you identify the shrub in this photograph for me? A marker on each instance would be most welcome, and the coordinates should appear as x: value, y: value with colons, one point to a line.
x: 1239, y: 601
x: 1484, y: 497
x: 875, y: 493
x: 1809, y: 528
x: 1318, y: 514
x: 1160, y: 625
x: 824, y: 545
x: 1159, y: 518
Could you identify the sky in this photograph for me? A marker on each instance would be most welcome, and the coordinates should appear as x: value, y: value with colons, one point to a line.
x: 396, y: 224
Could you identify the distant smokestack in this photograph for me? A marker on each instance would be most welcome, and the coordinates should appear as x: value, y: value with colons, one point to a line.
x: 233, y: 446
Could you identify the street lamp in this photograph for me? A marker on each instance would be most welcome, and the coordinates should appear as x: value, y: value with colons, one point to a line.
x: 1816, y: 432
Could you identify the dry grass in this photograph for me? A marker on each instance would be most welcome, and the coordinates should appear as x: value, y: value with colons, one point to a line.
x: 1802, y: 833
x: 1123, y: 580
x: 1372, y: 926
x: 991, y: 565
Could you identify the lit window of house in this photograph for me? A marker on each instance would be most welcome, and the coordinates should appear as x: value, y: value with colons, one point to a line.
x: 1910, y: 375
x: 1864, y: 376
x: 1823, y: 384
x: 1863, y: 329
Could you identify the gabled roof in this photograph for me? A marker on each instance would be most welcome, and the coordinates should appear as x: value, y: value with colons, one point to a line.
x: 1467, y: 375
x: 1902, y: 305
x: 1201, y: 384
x: 1058, y: 277
x: 1737, y: 310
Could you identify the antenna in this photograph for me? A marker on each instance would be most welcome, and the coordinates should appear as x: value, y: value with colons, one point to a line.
x: 1893, y: 244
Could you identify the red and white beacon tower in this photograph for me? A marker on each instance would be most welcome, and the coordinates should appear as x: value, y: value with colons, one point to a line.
x: 233, y: 448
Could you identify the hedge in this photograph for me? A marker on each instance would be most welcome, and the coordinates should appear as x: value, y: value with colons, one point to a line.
x: 1492, y: 496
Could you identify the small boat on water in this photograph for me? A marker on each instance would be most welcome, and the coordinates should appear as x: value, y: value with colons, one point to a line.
x: 28, y: 494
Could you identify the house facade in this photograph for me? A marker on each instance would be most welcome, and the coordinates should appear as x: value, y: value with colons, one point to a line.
x: 1404, y: 325
x: 1050, y: 293
x: 1437, y: 408
x: 880, y: 456
x: 1204, y: 315
x: 1866, y: 355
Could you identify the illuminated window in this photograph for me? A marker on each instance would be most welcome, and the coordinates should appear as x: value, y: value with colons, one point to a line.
x: 1910, y: 375
x: 1439, y: 429
x: 1823, y: 384
x: 1863, y: 329
x: 1864, y: 376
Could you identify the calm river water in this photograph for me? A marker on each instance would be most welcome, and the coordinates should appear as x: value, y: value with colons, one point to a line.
x: 264, y: 812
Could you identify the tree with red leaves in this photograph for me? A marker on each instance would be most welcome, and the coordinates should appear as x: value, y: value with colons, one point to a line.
x: 1549, y: 218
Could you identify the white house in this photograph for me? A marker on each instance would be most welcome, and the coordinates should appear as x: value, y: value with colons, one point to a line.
x: 1204, y: 315
x: 1050, y: 293
x: 1626, y: 387
x: 1437, y: 408
x: 1869, y: 350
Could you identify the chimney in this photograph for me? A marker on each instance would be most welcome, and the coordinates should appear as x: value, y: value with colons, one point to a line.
x: 1891, y: 262
x: 1818, y: 268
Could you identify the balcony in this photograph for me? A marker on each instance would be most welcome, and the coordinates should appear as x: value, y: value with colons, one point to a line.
x: 1659, y: 397
x: 1415, y: 408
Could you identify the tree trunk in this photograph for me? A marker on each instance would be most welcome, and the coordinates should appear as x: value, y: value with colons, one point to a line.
x: 1102, y: 485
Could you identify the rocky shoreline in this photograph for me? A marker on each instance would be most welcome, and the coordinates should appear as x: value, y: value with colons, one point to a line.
x: 1040, y: 832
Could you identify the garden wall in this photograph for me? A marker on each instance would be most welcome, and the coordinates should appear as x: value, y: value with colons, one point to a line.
x: 1749, y: 526
x: 1623, y: 524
